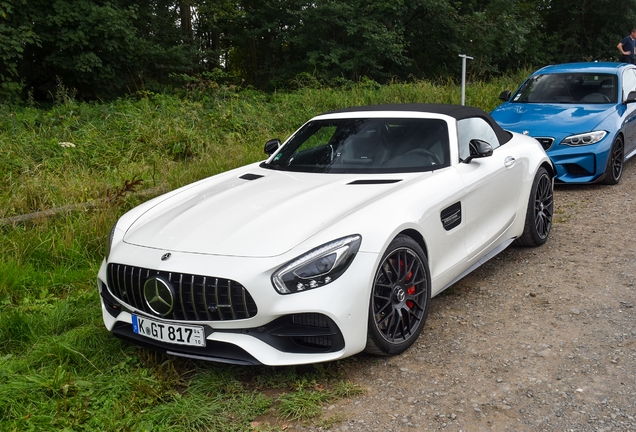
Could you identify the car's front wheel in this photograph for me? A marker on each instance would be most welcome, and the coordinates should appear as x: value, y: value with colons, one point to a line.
x: 614, y: 169
x: 540, y: 210
x: 400, y: 298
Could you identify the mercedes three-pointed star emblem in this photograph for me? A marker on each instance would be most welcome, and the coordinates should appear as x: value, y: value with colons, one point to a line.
x: 159, y: 295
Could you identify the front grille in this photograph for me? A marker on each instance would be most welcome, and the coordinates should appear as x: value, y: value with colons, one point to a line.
x: 197, y: 298
x: 546, y: 143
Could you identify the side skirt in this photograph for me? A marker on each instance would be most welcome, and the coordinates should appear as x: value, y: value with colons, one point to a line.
x: 485, y: 259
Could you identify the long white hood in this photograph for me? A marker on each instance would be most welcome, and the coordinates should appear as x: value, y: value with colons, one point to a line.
x: 264, y: 217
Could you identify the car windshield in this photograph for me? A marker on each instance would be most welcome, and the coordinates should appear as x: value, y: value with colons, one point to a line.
x: 365, y: 145
x: 569, y: 88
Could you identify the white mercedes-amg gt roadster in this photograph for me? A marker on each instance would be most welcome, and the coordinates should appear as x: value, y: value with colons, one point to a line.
x: 333, y: 245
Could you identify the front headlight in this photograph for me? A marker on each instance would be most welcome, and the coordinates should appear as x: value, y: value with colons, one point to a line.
x: 584, y: 139
x: 318, y: 267
x: 110, y: 239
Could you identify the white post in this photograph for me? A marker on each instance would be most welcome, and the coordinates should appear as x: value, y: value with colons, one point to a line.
x: 464, y: 57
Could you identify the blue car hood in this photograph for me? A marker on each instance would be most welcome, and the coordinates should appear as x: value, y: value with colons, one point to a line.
x: 550, y: 118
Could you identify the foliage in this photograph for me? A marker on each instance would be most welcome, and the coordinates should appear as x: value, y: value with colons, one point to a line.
x: 106, y: 49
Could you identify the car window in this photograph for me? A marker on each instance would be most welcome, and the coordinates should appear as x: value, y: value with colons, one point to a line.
x: 474, y: 128
x: 366, y: 145
x: 629, y: 82
x: 579, y: 88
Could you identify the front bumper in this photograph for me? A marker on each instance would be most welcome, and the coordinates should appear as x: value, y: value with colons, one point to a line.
x: 580, y: 164
x: 314, y: 326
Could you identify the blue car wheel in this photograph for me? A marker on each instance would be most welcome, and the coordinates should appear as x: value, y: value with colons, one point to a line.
x: 614, y: 169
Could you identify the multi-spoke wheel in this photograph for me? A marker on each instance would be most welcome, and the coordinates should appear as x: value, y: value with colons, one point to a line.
x: 399, y: 298
x: 614, y: 169
x: 540, y: 209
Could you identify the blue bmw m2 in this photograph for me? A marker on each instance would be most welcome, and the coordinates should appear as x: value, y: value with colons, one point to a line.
x: 583, y: 114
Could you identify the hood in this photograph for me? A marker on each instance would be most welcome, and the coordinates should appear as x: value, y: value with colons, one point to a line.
x: 256, y: 213
x: 540, y: 119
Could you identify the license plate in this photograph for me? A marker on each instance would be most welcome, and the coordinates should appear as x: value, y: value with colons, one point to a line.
x: 171, y: 333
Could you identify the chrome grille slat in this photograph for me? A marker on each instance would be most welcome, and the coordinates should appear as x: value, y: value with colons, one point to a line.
x: 222, y: 299
x: 185, y: 316
x: 247, y: 312
x: 216, y: 297
x: 229, y: 297
x: 132, y: 287
x: 193, y: 299
x: 205, y: 300
x: 141, y: 289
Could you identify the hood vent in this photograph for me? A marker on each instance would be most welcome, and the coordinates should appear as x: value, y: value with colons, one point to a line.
x: 250, y: 176
x: 374, y: 182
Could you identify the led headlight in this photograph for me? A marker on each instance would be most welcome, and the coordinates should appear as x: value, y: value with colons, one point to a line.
x: 110, y: 239
x: 318, y: 267
x: 584, y: 139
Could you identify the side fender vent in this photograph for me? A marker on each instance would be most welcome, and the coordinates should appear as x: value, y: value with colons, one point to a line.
x: 452, y: 216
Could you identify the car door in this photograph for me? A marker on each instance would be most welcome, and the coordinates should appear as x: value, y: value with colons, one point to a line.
x: 629, y: 115
x: 492, y: 186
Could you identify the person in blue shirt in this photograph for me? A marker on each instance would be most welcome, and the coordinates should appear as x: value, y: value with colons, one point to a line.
x: 626, y: 47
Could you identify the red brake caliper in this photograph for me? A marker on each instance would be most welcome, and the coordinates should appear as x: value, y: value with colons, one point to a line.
x: 410, y: 291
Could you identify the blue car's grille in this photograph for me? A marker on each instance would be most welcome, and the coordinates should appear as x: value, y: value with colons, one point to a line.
x: 196, y: 298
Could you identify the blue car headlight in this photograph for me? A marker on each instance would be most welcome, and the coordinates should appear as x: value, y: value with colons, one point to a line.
x: 584, y: 139
x: 318, y: 267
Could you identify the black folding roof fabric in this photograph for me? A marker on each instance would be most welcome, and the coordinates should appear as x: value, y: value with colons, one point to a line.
x: 458, y: 112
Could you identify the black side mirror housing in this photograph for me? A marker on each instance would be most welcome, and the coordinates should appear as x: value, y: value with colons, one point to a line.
x: 271, y: 146
x: 478, y: 149
x: 505, y: 95
x: 631, y: 97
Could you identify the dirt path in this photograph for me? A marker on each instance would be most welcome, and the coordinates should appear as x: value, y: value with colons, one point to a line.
x: 535, y: 340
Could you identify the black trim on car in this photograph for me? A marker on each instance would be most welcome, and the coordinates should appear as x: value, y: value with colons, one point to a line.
x: 374, y: 182
x: 451, y: 216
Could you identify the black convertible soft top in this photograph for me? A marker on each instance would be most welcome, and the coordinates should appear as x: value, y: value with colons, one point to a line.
x: 458, y: 112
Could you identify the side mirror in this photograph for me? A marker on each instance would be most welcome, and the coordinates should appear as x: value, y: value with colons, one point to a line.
x: 271, y: 146
x: 505, y: 95
x: 631, y: 97
x: 478, y: 149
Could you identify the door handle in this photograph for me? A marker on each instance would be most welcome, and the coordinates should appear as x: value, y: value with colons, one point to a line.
x: 510, y: 161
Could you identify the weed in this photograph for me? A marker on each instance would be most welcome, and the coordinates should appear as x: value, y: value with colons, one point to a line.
x: 301, y: 405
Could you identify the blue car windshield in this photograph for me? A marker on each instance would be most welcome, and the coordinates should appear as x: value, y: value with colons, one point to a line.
x: 569, y: 88
x: 366, y: 145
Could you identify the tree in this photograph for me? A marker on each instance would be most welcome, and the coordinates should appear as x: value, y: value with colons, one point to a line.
x: 90, y: 45
x: 585, y: 30
x: 14, y: 36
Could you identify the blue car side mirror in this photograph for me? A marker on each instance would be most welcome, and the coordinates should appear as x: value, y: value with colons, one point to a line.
x: 505, y: 95
x: 631, y: 97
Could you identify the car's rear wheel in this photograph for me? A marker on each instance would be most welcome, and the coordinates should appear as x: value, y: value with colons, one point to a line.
x: 614, y: 169
x: 540, y: 210
x: 400, y: 298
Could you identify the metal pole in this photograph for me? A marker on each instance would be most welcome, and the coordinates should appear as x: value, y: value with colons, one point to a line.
x: 464, y: 57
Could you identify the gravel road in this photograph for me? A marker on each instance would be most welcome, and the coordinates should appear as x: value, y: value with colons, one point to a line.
x: 535, y: 340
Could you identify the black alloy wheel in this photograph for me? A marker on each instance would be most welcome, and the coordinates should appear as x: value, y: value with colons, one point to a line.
x: 540, y: 211
x: 614, y: 169
x: 399, y: 299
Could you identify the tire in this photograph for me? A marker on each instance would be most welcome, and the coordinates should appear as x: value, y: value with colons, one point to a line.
x: 400, y: 298
x: 539, y: 213
x: 614, y: 169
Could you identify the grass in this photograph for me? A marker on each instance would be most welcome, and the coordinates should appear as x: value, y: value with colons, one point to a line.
x: 59, y: 368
